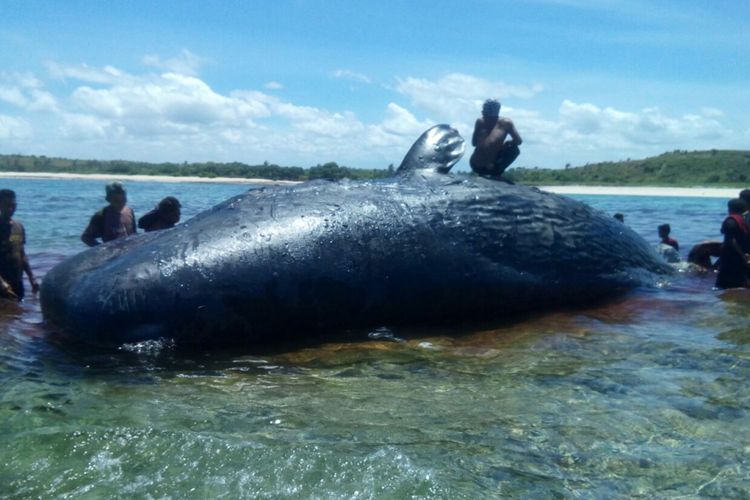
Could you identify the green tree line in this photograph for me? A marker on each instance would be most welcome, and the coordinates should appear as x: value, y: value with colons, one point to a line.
x: 330, y: 170
x: 677, y: 168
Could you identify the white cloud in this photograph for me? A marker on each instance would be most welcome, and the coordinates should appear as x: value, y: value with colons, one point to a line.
x: 13, y: 95
x: 13, y: 128
x: 347, y: 74
x: 611, y: 128
x: 85, y: 73
x: 397, y: 132
x: 459, y: 97
x: 170, y: 102
x: 712, y: 112
x: 25, y: 91
x: 175, y: 116
x: 185, y: 63
x: 77, y: 126
x: 273, y: 86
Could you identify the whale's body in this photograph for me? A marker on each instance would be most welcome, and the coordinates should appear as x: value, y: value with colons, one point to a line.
x: 281, y: 262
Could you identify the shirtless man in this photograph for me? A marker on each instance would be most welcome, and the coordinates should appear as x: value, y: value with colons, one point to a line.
x: 114, y: 221
x: 492, y: 154
x: 13, y: 260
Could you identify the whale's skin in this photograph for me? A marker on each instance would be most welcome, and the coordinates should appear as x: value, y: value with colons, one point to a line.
x: 285, y: 262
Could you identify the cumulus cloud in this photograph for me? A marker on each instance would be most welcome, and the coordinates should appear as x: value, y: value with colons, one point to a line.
x: 185, y: 63
x: 14, y: 129
x: 25, y: 91
x: 578, y: 129
x: 176, y: 115
x: 78, y: 126
x: 608, y: 127
x: 168, y: 103
x: 12, y: 95
x: 457, y: 96
x: 85, y: 73
x: 347, y: 74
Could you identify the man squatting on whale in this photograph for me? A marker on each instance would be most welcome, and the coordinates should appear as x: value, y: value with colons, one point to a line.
x: 492, y: 154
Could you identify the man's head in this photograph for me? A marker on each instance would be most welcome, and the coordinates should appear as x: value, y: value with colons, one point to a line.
x: 736, y: 206
x: 116, y: 195
x: 620, y: 217
x: 491, y: 108
x: 664, y: 230
x: 7, y: 203
x: 169, y: 210
x: 745, y: 196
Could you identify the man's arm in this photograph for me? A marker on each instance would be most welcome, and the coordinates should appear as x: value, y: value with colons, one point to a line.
x: 737, y: 248
x: 6, y: 290
x: 132, y: 221
x: 477, y: 130
x: 27, y: 267
x: 514, y: 135
x: 93, y: 230
x: 30, y: 274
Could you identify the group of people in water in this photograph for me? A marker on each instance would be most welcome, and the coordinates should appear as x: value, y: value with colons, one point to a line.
x: 117, y: 219
x: 494, y: 152
x: 496, y: 145
x: 730, y: 258
x: 114, y: 221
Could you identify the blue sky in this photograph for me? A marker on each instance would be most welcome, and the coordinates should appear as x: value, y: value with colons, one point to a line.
x: 305, y: 82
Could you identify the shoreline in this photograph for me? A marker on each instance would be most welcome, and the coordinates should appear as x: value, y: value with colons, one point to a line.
x: 684, y: 192
x: 692, y: 192
x: 139, y: 178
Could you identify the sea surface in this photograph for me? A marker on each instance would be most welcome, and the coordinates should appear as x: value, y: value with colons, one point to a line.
x: 646, y: 396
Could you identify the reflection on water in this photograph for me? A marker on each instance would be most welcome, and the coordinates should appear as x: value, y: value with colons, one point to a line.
x: 644, y: 395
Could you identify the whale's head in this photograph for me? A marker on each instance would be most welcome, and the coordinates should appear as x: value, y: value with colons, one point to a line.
x: 438, y: 149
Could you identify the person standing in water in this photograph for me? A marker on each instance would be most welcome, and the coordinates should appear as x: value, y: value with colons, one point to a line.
x: 734, y: 262
x: 492, y: 153
x: 13, y: 260
x: 745, y: 196
x: 114, y: 221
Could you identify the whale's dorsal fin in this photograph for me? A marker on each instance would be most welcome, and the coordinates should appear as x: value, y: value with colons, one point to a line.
x: 438, y: 149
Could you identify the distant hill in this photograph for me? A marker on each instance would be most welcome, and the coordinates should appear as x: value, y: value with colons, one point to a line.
x: 330, y: 170
x: 678, y: 168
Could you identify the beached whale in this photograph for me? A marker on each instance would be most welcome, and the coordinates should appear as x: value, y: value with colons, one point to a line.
x: 423, y: 247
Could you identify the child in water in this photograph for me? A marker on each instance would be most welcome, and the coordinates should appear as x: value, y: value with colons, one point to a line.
x: 664, y: 231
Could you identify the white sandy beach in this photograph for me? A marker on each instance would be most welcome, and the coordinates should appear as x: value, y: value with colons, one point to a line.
x: 137, y: 178
x: 701, y: 192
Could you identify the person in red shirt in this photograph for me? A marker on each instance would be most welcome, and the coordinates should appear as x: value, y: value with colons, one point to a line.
x: 734, y: 263
x: 664, y: 231
x: 114, y: 221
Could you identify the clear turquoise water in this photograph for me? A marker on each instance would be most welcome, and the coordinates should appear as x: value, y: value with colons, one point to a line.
x: 646, y: 396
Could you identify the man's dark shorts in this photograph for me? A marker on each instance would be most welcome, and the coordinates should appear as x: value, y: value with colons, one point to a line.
x: 504, y: 158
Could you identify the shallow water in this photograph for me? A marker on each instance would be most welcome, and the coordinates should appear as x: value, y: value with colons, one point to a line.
x: 644, y: 396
